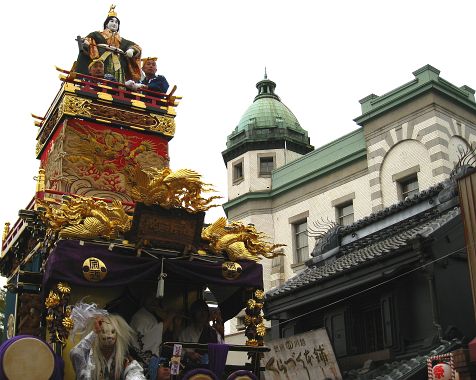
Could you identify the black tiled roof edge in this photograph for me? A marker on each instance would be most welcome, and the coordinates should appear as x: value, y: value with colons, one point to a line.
x: 372, y: 248
x: 417, y: 198
x: 403, y: 369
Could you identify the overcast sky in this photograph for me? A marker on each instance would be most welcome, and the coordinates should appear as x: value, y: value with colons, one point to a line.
x: 323, y: 56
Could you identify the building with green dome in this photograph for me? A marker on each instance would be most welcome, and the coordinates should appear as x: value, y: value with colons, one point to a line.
x: 267, y: 124
x: 361, y: 209
x: 267, y: 136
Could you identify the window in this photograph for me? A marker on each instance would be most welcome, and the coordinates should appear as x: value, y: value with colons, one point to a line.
x: 266, y: 165
x: 300, y: 241
x: 238, y: 174
x: 408, y: 187
x: 345, y: 214
x: 368, y: 332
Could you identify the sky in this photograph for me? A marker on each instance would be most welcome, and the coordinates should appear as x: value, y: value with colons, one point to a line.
x: 323, y: 56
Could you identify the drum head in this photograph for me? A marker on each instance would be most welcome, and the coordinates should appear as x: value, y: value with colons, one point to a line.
x: 200, y: 374
x: 242, y: 375
x: 28, y: 358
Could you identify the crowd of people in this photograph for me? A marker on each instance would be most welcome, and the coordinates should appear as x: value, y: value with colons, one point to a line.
x: 112, y: 349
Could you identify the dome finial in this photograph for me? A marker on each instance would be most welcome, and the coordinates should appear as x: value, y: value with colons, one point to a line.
x: 265, y: 74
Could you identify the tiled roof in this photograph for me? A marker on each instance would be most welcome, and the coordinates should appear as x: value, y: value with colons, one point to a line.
x: 370, y: 248
x: 401, y: 369
x: 393, y: 209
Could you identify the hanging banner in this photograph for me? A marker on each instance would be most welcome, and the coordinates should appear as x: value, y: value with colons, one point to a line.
x: 304, y: 356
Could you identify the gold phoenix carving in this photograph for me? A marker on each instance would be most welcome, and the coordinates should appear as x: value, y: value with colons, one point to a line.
x: 238, y: 241
x: 181, y: 189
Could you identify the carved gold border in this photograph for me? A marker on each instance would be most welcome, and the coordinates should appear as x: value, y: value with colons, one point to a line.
x: 79, y: 107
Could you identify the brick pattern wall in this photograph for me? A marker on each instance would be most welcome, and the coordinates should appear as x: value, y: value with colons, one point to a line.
x: 423, y: 142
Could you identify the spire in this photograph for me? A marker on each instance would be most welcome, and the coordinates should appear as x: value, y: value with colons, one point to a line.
x: 266, y: 88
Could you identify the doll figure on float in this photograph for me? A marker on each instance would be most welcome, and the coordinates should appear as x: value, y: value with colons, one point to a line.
x: 121, y: 57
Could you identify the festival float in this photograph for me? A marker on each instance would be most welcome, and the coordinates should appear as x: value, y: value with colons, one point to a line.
x: 110, y: 222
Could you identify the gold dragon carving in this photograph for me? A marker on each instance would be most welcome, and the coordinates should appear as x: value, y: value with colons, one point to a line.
x: 85, y: 217
x: 238, y: 241
x: 181, y: 189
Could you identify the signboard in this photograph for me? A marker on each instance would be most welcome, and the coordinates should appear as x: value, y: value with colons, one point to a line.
x: 173, y: 228
x: 304, y: 356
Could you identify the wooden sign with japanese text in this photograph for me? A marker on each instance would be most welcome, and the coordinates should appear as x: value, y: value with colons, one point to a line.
x: 304, y: 356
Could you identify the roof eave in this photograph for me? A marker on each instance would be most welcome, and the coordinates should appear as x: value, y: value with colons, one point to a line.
x: 440, y: 86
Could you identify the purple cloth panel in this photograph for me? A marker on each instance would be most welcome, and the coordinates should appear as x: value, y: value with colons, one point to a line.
x: 66, y: 260
x: 217, y: 354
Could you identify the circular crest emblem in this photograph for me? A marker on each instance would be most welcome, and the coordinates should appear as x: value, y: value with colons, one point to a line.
x: 94, y: 270
x: 231, y: 270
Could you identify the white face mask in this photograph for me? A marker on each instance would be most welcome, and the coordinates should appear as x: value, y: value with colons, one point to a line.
x: 107, y: 335
x: 113, y: 24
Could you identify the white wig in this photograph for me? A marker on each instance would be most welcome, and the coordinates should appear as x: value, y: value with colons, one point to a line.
x: 124, y: 336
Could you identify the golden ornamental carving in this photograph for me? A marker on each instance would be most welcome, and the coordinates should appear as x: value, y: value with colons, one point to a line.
x: 58, y: 320
x: 67, y: 323
x: 255, y: 328
x: 63, y: 288
x: 85, y: 217
x: 238, y: 241
x: 259, y: 294
x: 72, y: 105
x: 153, y: 122
x: 165, y: 125
x: 94, y: 270
x: 181, y: 189
x: 231, y: 270
x: 52, y: 300
x: 6, y: 231
x: 76, y: 106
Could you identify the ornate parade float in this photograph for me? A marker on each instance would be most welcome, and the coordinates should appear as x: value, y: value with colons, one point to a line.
x: 110, y: 222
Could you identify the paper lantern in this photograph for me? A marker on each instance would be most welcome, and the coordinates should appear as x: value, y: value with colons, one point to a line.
x: 441, y: 371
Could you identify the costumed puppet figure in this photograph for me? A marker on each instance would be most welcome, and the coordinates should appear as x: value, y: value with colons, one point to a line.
x: 121, y: 57
x: 102, y: 354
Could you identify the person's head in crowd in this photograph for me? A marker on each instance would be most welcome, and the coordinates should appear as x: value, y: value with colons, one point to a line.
x: 200, y: 313
x: 149, y: 66
x: 163, y: 373
x: 96, y: 68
